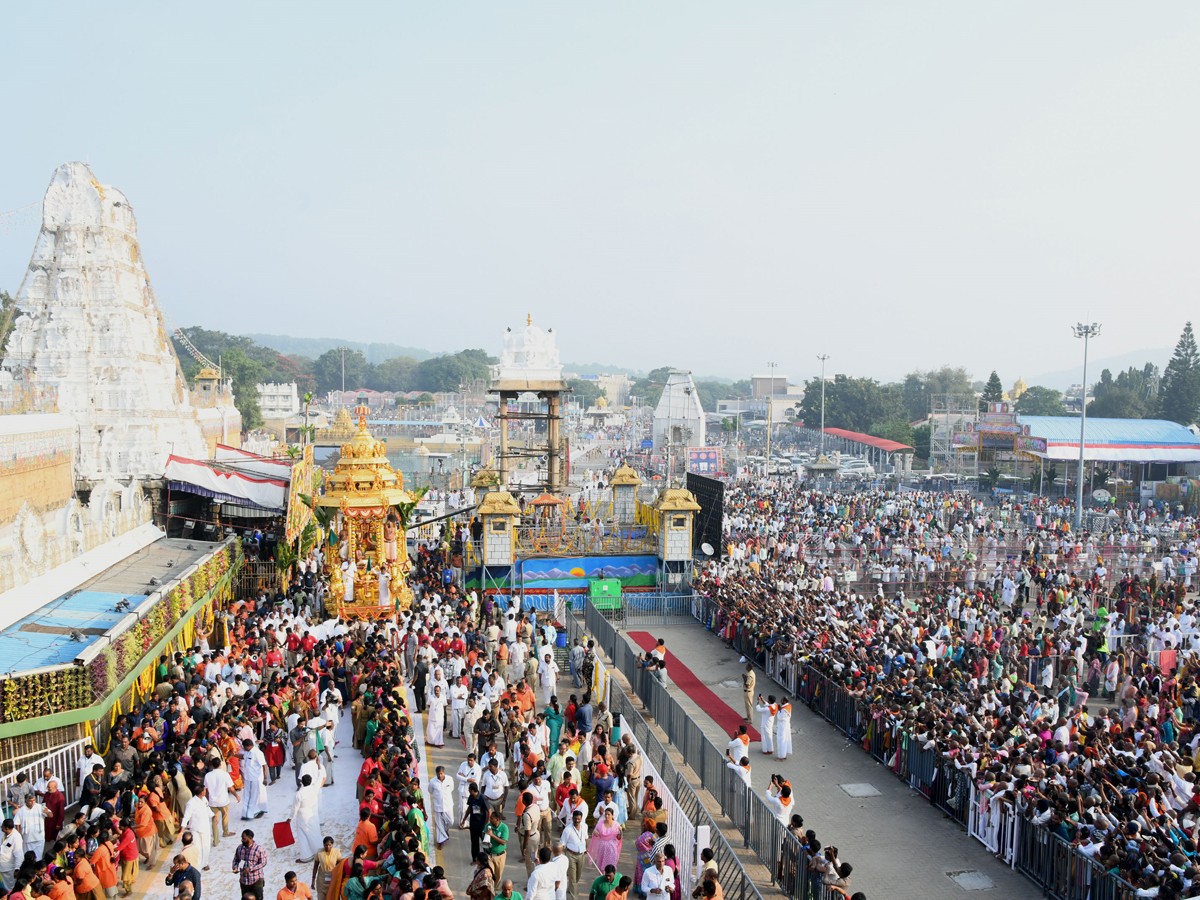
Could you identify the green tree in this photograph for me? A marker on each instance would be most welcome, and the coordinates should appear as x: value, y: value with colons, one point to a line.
x: 899, y: 430
x: 586, y: 392
x: 8, y: 318
x: 1179, y: 394
x: 852, y: 403
x: 710, y: 392
x: 1133, y: 394
x: 215, y: 345
x: 649, y: 389
x: 447, y: 373
x: 993, y: 392
x: 245, y: 373
x: 919, y: 388
x: 395, y: 374
x: 1041, y: 401
x: 328, y: 370
x: 921, y: 441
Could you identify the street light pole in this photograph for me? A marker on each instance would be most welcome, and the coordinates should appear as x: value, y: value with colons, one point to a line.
x: 770, y: 395
x: 822, y: 357
x: 1085, y: 331
x: 343, y: 352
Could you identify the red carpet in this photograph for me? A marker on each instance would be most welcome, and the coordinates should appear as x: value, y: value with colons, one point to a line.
x: 685, y: 679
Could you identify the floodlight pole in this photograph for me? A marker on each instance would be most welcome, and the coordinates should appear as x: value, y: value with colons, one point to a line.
x: 822, y: 357
x: 1085, y: 331
x: 770, y: 394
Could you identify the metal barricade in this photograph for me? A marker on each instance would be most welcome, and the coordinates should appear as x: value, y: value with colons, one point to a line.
x: 735, y: 881
x: 63, y: 762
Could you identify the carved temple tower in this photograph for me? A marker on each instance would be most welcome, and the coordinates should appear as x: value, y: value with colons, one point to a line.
x: 89, y: 328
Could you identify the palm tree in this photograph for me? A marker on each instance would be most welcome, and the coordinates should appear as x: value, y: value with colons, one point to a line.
x: 308, y: 398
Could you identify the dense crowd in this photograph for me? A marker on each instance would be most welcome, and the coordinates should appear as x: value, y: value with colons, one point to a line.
x: 1062, y: 691
x: 546, y: 784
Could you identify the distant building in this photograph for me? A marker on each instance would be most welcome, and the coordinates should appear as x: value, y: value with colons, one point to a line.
x: 762, y: 386
x: 278, y: 400
x: 616, y: 388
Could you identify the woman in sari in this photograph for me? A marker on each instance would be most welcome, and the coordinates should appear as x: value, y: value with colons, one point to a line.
x: 647, y: 809
x: 483, y: 885
x: 416, y: 820
x: 554, y: 721
x: 605, y: 845
x: 643, y: 855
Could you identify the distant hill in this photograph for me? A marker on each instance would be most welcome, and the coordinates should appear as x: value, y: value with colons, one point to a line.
x: 377, y: 353
x: 1064, y: 378
x: 314, y: 347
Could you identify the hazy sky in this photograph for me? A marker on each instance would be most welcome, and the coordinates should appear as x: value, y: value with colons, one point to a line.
x: 710, y: 185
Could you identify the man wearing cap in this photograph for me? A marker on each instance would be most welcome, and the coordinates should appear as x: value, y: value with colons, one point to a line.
x: 528, y: 832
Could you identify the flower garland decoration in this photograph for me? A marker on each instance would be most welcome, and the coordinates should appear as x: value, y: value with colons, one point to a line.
x: 76, y: 687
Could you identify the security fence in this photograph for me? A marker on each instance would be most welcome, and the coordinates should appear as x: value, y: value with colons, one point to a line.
x: 735, y: 881
x: 1045, y: 858
x: 763, y: 832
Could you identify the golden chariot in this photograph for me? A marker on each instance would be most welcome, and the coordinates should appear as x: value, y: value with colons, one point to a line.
x: 370, y: 502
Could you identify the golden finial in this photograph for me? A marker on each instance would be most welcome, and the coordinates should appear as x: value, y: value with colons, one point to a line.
x: 529, y: 319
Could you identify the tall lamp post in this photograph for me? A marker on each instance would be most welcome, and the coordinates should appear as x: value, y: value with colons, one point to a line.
x: 770, y: 395
x: 822, y: 357
x: 1087, y: 332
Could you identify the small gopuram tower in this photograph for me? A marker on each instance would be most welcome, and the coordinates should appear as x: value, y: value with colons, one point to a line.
x: 676, y: 508
x: 625, y: 483
x: 499, y: 513
x: 529, y: 382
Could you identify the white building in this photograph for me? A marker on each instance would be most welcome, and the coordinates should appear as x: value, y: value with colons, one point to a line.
x: 278, y: 400
x: 678, y: 418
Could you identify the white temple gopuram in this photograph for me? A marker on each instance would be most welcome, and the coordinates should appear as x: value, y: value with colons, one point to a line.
x: 90, y: 333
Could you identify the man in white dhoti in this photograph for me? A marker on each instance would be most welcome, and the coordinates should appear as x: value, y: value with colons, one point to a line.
x: 441, y: 796
x: 254, y: 769
x: 783, y: 729
x: 435, y: 723
x: 30, y: 819
x: 458, y: 706
x: 306, y: 819
x: 469, y: 771
x: 197, y: 818
x: 385, y: 579
x: 547, y: 676
x: 766, y: 710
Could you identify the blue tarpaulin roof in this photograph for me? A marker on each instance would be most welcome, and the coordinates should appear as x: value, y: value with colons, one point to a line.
x: 1115, y: 440
x: 43, y: 638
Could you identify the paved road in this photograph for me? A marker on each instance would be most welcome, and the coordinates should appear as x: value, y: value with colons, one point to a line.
x: 899, y: 845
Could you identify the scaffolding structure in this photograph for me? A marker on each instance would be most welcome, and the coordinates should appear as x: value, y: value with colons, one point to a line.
x: 544, y: 445
x: 949, y: 413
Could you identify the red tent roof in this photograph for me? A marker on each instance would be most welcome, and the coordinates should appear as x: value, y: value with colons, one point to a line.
x: 870, y: 440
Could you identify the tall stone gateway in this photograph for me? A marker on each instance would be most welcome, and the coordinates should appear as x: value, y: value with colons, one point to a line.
x: 89, y: 329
